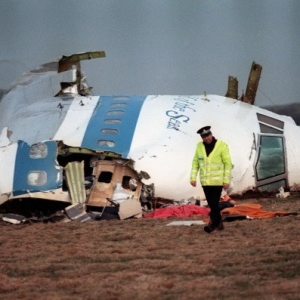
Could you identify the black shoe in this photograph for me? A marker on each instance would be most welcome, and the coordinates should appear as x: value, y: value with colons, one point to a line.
x: 208, y: 229
x: 220, y: 226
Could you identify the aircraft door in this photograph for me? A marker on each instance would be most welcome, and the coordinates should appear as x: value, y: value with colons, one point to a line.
x: 270, y: 164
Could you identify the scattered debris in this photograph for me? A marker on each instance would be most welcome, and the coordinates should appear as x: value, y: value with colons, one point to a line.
x: 186, y: 223
x: 13, y: 218
x: 130, y: 208
x: 251, y: 210
x: 282, y: 193
x: 77, y: 212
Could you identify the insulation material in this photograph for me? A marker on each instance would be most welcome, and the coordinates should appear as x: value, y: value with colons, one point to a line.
x: 75, y: 181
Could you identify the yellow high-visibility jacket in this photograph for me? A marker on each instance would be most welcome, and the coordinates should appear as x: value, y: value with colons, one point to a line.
x: 214, y: 169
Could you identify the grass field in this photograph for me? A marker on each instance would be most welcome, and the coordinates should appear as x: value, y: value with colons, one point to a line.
x: 145, y: 259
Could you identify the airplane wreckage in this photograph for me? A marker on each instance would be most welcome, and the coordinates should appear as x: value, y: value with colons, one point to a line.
x: 59, y: 144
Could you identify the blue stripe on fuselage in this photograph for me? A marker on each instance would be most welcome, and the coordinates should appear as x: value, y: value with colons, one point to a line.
x: 119, y: 136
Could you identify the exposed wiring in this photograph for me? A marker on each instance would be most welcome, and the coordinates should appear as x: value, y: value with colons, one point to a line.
x: 267, y: 97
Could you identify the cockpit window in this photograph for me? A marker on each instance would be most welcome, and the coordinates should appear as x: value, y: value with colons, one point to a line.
x: 270, y: 165
x: 268, y: 129
x: 270, y: 125
x: 270, y: 121
x: 271, y: 160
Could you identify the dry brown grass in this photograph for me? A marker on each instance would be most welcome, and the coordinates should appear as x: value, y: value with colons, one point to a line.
x: 145, y: 259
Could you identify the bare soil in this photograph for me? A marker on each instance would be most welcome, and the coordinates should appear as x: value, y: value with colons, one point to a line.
x: 145, y: 259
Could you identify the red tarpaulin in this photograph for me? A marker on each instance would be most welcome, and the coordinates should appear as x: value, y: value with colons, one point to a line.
x: 182, y: 211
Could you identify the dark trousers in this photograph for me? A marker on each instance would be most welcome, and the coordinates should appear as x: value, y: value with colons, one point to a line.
x: 213, y: 195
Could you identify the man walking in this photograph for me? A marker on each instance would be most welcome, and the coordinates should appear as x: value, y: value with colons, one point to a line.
x: 212, y: 161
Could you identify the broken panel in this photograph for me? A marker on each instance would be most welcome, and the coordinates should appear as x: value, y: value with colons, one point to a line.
x: 36, y: 168
x: 113, y: 180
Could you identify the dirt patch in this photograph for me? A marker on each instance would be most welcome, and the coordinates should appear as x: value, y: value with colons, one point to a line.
x: 145, y: 259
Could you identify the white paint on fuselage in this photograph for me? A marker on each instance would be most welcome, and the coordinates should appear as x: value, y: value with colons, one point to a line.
x: 74, y: 125
x: 7, y: 168
x: 166, y: 154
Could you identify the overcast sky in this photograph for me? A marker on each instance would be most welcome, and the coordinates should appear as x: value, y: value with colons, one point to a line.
x: 159, y: 46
